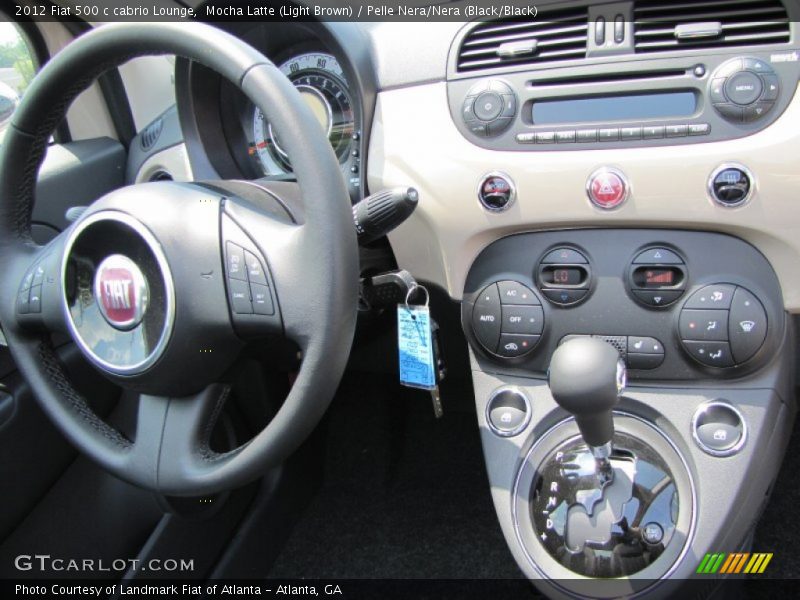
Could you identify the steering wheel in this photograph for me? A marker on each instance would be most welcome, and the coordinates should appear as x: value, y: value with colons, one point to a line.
x: 161, y: 284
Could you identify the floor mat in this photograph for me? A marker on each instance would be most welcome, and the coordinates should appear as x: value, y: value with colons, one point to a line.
x: 405, y: 495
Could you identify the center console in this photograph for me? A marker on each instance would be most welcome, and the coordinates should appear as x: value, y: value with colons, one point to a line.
x: 634, y: 391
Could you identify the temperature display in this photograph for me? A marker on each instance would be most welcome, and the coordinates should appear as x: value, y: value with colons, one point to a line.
x: 567, y: 276
x: 659, y: 277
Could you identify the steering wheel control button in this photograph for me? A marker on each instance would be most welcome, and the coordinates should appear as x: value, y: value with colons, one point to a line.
x: 730, y: 185
x: 512, y: 346
x: 710, y: 354
x: 496, y: 192
x: 747, y: 325
x: 719, y: 429
x: 24, y: 302
x: 744, y: 88
x: 513, y: 292
x: 255, y: 270
x: 29, y: 296
x: 121, y: 292
x: 262, y: 301
x: 702, y: 325
x: 525, y: 320
x: 717, y: 296
x: 486, y: 318
x: 240, y: 297
x: 35, y: 300
x: 235, y: 261
x: 508, y: 412
x: 607, y: 188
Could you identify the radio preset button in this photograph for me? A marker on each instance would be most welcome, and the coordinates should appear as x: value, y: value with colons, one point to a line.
x: 699, y: 129
x: 674, y: 131
x: 526, y: 138
x: 565, y: 137
x: 610, y: 134
x: 630, y: 133
x: 653, y: 132
x: 546, y: 137
x: 586, y: 135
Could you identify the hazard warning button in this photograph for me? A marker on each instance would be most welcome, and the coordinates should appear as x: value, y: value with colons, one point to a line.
x: 607, y: 188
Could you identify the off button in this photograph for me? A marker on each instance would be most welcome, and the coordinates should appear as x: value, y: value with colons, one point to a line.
x: 488, y: 106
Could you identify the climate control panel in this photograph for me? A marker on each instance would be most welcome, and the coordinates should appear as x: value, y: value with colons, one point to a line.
x: 677, y: 305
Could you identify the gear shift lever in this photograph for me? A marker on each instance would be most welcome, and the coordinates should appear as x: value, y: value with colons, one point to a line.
x: 586, y: 378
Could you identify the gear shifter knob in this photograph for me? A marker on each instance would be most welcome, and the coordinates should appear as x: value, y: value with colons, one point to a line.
x: 586, y: 378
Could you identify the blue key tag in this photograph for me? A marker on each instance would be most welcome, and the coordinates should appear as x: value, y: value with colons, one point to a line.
x: 415, y: 344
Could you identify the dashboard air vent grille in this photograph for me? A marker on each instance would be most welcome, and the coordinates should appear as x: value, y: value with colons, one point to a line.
x: 661, y: 25
x: 151, y: 133
x: 552, y: 36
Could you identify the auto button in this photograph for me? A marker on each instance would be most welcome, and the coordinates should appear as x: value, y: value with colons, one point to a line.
x: 486, y: 317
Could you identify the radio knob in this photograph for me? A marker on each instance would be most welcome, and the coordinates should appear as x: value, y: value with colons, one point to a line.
x: 489, y: 108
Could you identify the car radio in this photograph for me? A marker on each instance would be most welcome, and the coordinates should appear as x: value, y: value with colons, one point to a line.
x: 643, y: 103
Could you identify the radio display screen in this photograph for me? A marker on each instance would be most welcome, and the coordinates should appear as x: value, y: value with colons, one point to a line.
x: 632, y: 107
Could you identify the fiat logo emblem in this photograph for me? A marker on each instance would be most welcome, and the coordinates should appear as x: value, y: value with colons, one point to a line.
x: 121, y: 292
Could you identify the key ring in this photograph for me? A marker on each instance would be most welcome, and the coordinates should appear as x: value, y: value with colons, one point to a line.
x: 413, y: 289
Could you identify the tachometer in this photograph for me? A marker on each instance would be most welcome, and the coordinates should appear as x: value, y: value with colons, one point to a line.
x: 320, y: 80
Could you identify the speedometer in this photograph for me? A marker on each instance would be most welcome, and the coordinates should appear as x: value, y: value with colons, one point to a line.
x: 321, y: 83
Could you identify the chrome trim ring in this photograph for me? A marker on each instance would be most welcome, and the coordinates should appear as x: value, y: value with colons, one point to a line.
x: 719, y: 453
x: 515, y: 518
x: 511, y: 186
x: 720, y: 169
x: 613, y: 171
x: 528, y: 411
x: 169, y: 290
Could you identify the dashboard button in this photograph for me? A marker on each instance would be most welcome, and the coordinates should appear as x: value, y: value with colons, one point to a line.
x: 653, y: 132
x: 526, y: 320
x: 699, y: 129
x: 565, y: 297
x: 509, y: 105
x: 609, y: 134
x: 566, y: 256
x: 676, y: 131
x: 501, y: 87
x: 607, y: 189
x: 526, y: 138
x: 645, y: 362
x: 700, y: 325
x: 657, y: 299
x: 717, y: 296
x: 712, y: 354
x: 477, y: 128
x: 658, y: 256
x: 731, y: 112
x: 546, y: 137
x: 644, y: 345
x: 488, y: 106
x: 508, y: 412
x: 757, y: 65
x: 565, y: 137
x: 512, y: 346
x: 486, y: 318
x: 729, y: 68
x: 467, y: 112
x: 586, y: 135
x: 235, y: 262
x: 498, y: 126
x: 743, y: 88
x: 630, y: 133
x: 755, y: 111
x: 717, y: 91
x: 730, y: 185
x: 513, y: 292
x: 772, y: 87
x: 748, y: 325
x: 240, y: 297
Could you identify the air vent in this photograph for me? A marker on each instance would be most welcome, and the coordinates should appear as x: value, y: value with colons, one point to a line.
x: 661, y: 25
x: 151, y: 133
x: 552, y: 36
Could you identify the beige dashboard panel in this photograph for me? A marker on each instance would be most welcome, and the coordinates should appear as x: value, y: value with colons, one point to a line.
x: 415, y: 142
